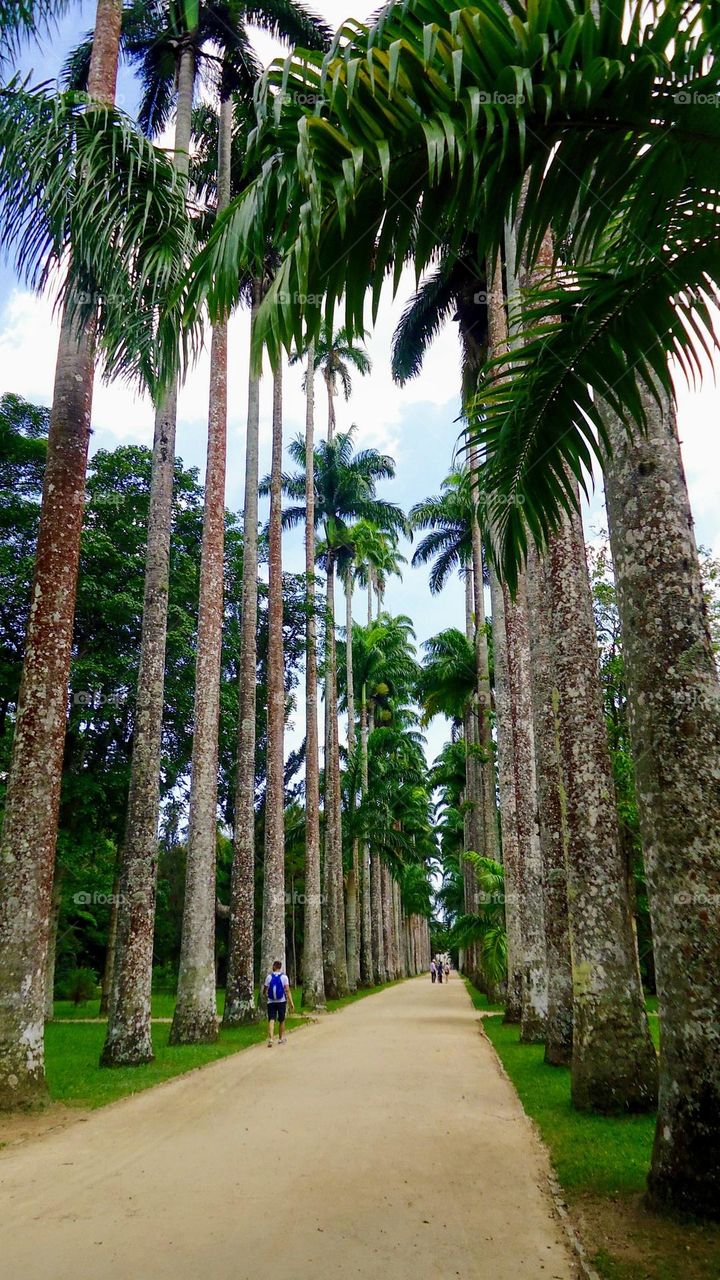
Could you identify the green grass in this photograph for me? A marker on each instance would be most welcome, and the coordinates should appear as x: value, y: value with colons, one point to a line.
x: 72, y: 1050
x: 601, y: 1163
x: 72, y: 1054
x: 602, y: 1155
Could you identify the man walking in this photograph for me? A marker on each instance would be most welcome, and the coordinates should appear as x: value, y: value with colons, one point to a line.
x: 277, y: 989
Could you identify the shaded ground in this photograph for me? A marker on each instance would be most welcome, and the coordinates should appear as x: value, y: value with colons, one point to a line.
x: 384, y: 1141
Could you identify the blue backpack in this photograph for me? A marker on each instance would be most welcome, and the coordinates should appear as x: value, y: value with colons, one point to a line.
x: 276, y: 990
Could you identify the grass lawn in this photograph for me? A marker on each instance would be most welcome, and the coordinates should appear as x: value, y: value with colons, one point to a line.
x: 72, y: 1051
x: 601, y: 1163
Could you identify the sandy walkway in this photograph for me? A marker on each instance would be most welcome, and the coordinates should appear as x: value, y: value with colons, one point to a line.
x: 381, y: 1143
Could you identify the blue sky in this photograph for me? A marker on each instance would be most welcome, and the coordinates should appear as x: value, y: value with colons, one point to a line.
x: 416, y: 425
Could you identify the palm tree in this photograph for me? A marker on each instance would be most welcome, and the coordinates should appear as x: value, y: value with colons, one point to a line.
x: 273, y: 926
x: 345, y: 489
x: 610, y: 1003
x: 447, y: 677
x: 129, y: 1038
x: 383, y: 664
x: 195, y: 1015
x: 313, y: 978
x: 33, y: 790
x: 336, y: 353
x: 171, y: 43
x: 240, y: 985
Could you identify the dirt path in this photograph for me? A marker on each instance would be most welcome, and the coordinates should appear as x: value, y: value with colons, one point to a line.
x: 383, y: 1143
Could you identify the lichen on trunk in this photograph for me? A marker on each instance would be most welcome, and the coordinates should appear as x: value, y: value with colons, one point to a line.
x: 674, y: 708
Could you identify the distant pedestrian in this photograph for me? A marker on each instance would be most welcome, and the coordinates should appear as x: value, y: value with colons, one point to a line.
x: 447, y: 971
x: 440, y: 971
x: 433, y: 971
x: 277, y: 988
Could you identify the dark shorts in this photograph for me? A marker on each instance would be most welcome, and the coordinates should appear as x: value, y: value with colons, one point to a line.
x: 277, y: 1010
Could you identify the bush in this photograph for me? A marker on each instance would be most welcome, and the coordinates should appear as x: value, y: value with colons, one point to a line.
x: 164, y: 979
x: 78, y: 985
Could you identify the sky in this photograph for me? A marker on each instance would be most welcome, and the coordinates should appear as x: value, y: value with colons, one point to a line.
x: 417, y: 424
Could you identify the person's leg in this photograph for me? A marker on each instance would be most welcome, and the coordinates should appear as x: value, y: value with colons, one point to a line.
x: 281, y: 1024
x: 271, y: 1027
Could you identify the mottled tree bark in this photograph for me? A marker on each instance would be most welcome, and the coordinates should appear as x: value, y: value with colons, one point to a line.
x: 32, y: 799
x: 366, y: 947
x: 195, y: 1017
x: 129, y: 1036
x: 239, y: 993
x: 273, y: 929
x: 534, y: 994
x: 386, y: 894
x: 473, y: 826
x: 674, y: 709
x: 335, y: 959
x: 486, y: 774
x: 614, y: 1065
x: 353, y: 877
x: 497, y: 344
x: 551, y: 818
x: 313, y: 981
x: 508, y: 811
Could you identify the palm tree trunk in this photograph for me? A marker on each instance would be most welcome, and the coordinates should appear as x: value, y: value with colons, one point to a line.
x: 329, y: 387
x: 534, y: 964
x: 386, y: 891
x: 195, y: 1017
x: 487, y: 799
x: 129, y: 1037
x: 32, y: 798
x: 336, y: 976
x: 240, y: 993
x: 614, y: 1066
x: 378, y: 947
x: 674, y: 701
x: 313, y: 980
x: 273, y: 929
x: 351, y: 914
x: 366, y: 948
x: 473, y: 818
x: 552, y: 819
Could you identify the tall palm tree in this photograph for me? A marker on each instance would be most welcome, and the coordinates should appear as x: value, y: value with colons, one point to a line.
x: 273, y: 926
x: 171, y: 44
x: 633, y: 172
x: 345, y: 490
x: 195, y: 1017
x: 33, y: 790
x: 129, y: 1037
x: 240, y: 985
x: 336, y: 354
x: 313, y: 978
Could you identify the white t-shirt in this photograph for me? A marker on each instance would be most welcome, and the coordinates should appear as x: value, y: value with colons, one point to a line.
x: 283, y: 978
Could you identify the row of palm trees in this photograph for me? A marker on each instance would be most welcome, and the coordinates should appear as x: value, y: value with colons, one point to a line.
x: 426, y: 137
x: 174, y: 46
x: 473, y: 103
